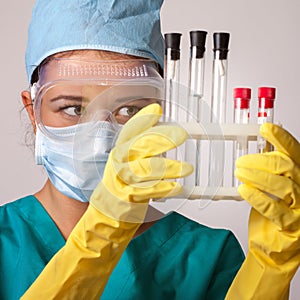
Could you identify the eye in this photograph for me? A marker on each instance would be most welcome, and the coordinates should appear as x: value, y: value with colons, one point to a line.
x: 125, y: 113
x: 75, y: 110
x: 128, y: 111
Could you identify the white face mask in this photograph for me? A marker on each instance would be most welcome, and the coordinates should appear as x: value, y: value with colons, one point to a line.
x: 76, y: 158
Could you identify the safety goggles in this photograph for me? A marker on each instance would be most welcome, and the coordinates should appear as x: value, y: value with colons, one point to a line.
x: 70, y: 92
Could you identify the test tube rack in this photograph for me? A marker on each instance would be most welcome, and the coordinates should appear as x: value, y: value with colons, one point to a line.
x: 211, y: 131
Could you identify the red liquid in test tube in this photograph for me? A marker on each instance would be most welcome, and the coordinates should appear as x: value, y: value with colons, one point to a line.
x: 242, y: 98
x: 266, y: 97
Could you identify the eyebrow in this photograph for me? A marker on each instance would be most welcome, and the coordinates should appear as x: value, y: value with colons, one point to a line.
x: 67, y: 97
x: 126, y: 99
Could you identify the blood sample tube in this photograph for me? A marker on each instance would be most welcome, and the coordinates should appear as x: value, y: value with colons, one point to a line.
x: 266, y: 97
x: 241, y: 98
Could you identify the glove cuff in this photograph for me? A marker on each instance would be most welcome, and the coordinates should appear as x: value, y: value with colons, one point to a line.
x: 257, y: 281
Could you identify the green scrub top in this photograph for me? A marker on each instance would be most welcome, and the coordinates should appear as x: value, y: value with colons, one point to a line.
x: 175, y: 259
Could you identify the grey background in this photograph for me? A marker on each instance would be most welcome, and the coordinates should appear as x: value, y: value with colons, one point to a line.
x: 264, y: 50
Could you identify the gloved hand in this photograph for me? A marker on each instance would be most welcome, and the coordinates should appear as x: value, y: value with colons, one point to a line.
x: 272, y: 187
x: 133, y: 175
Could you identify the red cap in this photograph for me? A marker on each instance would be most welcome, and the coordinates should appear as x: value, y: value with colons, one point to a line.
x: 266, y: 96
x: 266, y: 92
x: 244, y: 93
x: 242, y: 97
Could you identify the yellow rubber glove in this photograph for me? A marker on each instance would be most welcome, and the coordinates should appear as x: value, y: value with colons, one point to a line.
x: 134, y: 173
x: 82, y: 267
x: 272, y: 188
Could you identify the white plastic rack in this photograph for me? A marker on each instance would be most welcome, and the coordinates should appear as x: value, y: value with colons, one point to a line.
x: 210, y: 131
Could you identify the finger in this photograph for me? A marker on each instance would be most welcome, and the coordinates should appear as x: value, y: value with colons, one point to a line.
x: 144, y: 119
x: 154, y: 141
x: 158, y: 139
x: 161, y: 189
x: 275, y: 211
x: 282, y: 140
x: 279, y: 186
x: 273, y: 162
x: 151, y: 169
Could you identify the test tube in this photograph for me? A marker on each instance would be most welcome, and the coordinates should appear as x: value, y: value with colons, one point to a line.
x: 172, y: 74
x: 241, y: 98
x: 195, y: 83
x: 218, y: 106
x: 196, y: 71
x: 266, y: 97
x: 219, y: 83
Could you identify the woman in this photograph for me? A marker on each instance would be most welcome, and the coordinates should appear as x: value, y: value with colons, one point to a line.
x: 69, y: 248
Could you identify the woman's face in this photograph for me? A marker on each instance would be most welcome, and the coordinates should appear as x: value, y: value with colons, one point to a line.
x: 71, y: 85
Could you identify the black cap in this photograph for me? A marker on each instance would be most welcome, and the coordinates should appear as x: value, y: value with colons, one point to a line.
x: 221, y: 42
x: 197, y: 39
x: 172, y: 41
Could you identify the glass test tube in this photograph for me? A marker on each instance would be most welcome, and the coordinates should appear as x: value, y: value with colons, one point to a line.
x: 242, y: 98
x: 196, y: 86
x: 218, y: 106
x: 196, y: 70
x: 172, y: 75
x: 266, y: 97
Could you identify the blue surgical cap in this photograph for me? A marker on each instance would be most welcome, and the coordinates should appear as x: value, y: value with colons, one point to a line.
x: 125, y: 26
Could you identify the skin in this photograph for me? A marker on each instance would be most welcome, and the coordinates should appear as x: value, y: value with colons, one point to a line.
x: 66, y: 211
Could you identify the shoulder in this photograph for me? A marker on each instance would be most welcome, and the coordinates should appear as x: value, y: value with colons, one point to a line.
x: 26, y: 219
x: 15, y: 209
x: 16, y: 218
x: 26, y: 243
